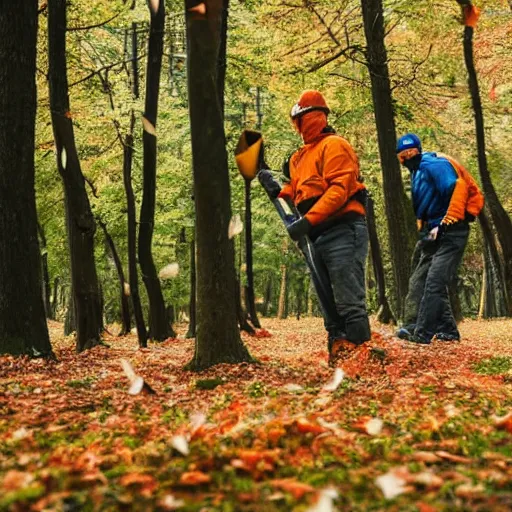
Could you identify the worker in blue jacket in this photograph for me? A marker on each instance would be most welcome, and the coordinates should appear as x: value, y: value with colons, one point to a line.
x: 445, y: 198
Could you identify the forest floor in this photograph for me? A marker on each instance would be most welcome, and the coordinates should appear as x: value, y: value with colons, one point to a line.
x: 425, y: 429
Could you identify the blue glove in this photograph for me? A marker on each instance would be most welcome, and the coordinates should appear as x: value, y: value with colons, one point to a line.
x: 269, y: 183
x: 299, y: 228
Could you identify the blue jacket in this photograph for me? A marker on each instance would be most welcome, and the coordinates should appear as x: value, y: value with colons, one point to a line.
x: 432, y: 187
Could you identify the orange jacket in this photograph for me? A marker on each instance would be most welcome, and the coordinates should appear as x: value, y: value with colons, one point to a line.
x: 327, y: 168
x: 466, y: 196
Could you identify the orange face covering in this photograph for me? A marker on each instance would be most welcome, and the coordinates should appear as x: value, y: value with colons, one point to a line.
x: 310, y: 125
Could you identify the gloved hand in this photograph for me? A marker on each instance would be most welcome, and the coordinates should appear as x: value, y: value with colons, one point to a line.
x: 269, y: 183
x: 436, y: 233
x: 299, y: 228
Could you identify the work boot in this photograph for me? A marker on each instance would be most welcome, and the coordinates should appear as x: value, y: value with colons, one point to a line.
x: 419, y: 339
x: 340, y: 349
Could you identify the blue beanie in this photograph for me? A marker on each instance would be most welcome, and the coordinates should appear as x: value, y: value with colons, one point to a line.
x: 408, y: 141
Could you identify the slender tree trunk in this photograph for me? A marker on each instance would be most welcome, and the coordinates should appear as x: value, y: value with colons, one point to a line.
x: 397, y: 210
x: 158, y: 320
x: 23, y: 327
x: 217, y: 338
x: 55, y: 298
x: 281, y: 308
x: 242, y: 316
x: 132, y: 237
x: 45, y: 272
x: 70, y: 318
x: 192, y: 326
x: 80, y: 221
x: 384, y: 313
x: 268, y: 298
x: 499, y: 215
x: 125, y: 304
x: 249, y: 289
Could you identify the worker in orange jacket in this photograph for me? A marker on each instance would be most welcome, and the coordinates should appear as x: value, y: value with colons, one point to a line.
x: 325, y: 185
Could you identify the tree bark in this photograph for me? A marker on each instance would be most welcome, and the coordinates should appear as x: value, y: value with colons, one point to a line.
x: 384, y: 313
x: 499, y: 215
x: 158, y: 321
x: 125, y: 303
x: 23, y: 327
x: 217, y: 338
x: 80, y: 221
x: 268, y: 297
x: 397, y: 210
x: 133, y: 277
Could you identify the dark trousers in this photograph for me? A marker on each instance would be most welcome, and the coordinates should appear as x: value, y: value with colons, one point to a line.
x: 340, y: 255
x: 427, y: 305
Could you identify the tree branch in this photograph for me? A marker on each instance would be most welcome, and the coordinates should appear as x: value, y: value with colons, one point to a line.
x: 89, y: 27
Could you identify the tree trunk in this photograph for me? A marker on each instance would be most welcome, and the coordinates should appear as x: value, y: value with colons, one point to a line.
x: 158, y: 321
x: 496, y: 300
x: 45, y: 273
x: 249, y: 288
x: 281, y: 308
x: 500, y: 217
x: 384, y: 313
x: 70, y: 318
x: 55, y: 298
x: 133, y: 277
x: 397, y: 209
x: 23, y: 327
x: 191, y: 333
x: 241, y: 313
x: 125, y: 303
x: 268, y: 298
x: 217, y: 338
x: 80, y: 221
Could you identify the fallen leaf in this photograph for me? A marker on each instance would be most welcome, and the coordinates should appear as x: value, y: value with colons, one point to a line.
x: 469, y: 491
x: 392, y: 484
x: 236, y: 226
x: 427, y: 457
x: 374, y: 426
x: 169, y: 502
x: 453, y: 458
x: 15, y: 480
x: 504, y: 422
x: 194, y: 478
x: 325, y: 501
x: 306, y: 427
x: 20, y: 434
x: 338, y: 376
x: 169, y: 271
x: 180, y: 444
x: 292, y: 486
x: 291, y: 388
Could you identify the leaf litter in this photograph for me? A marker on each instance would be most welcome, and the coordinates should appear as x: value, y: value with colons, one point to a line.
x: 420, y: 429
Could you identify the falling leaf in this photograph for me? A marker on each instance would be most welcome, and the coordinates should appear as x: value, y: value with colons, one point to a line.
x: 147, y: 125
x: 325, y: 502
x: 180, y: 444
x: 338, y: 376
x: 154, y: 4
x: 63, y: 158
x: 169, y: 502
x: 236, y: 226
x: 126, y: 289
x: 374, y: 426
x: 392, y: 484
x: 194, y: 478
x: 169, y: 271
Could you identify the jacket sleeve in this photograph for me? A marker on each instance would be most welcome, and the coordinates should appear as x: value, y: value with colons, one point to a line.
x: 340, y: 170
x: 287, y: 191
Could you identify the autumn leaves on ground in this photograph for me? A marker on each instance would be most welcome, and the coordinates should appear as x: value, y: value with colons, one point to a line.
x: 422, y: 429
